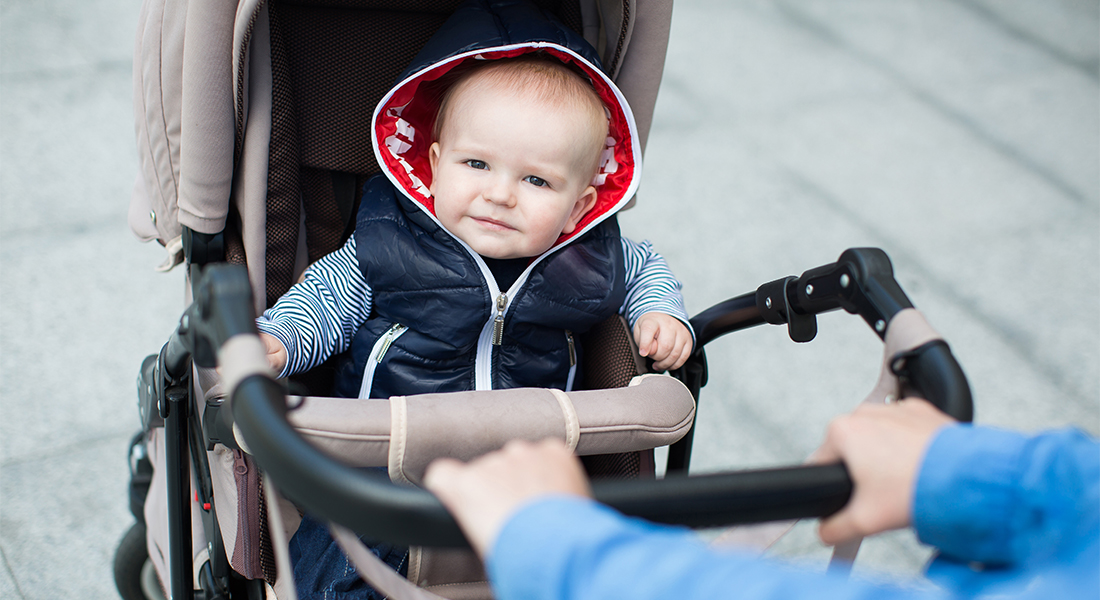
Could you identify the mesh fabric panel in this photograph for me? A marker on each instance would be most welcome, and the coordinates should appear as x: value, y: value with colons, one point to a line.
x: 344, y: 61
x: 609, y: 363
x: 283, y: 192
x: 324, y: 224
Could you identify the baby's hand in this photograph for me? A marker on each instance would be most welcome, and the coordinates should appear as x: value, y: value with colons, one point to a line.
x: 276, y: 353
x: 663, y: 338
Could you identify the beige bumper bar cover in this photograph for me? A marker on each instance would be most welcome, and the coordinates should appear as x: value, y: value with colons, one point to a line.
x: 654, y: 410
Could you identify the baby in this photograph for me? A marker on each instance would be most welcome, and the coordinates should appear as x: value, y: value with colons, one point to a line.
x: 518, y: 143
x: 480, y: 277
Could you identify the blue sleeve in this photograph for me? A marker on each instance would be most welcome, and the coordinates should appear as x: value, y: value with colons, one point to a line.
x: 569, y: 548
x: 650, y: 285
x: 318, y: 316
x: 1029, y: 504
x: 1008, y: 499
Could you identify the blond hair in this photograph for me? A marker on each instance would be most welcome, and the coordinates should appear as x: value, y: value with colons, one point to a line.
x: 545, y: 80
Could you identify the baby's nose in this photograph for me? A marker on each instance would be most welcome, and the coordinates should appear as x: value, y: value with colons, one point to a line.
x: 501, y: 191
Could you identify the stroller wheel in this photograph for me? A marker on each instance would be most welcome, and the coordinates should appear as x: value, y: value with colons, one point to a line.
x: 135, y: 577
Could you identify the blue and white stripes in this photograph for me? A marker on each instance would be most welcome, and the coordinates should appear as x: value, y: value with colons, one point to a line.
x: 650, y: 285
x: 318, y: 317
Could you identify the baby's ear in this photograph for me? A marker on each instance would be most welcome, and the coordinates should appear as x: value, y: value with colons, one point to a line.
x: 581, y: 207
x: 433, y: 162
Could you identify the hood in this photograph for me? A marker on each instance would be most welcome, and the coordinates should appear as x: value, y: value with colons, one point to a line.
x: 488, y: 30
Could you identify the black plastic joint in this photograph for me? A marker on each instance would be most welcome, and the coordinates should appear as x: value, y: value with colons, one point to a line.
x: 775, y: 307
x: 203, y: 248
x: 771, y: 301
x: 930, y: 371
x: 217, y: 428
x: 876, y: 296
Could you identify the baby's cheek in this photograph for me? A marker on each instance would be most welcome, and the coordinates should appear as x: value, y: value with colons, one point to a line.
x: 444, y: 211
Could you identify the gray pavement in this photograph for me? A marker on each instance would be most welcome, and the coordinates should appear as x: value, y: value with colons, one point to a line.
x: 961, y: 136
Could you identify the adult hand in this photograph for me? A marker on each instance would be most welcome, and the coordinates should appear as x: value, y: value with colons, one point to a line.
x: 483, y: 493
x: 883, y: 446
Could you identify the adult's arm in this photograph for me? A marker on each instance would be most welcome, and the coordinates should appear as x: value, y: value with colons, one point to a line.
x: 1007, y: 499
x: 1035, y: 507
x: 570, y: 548
x: 547, y: 540
x: 527, y: 510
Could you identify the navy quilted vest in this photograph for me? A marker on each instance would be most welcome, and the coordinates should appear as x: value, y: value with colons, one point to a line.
x: 432, y: 306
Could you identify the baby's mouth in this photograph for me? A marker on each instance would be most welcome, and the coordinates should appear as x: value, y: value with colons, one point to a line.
x: 493, y: 224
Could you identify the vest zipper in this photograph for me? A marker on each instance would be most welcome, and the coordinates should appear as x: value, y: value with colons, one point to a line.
x: 492, y: 335
x: 377, y: 353
x: 388, y: 338
x: 572, y: 361
x: 498, y: 322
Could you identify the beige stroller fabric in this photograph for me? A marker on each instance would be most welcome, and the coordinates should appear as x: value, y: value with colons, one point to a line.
x: 406, y: 433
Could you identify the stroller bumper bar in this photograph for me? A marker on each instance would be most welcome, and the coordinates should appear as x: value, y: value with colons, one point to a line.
x: 367, y: 503
x: 861, y: 282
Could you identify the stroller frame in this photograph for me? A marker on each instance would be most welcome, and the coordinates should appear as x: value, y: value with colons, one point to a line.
x: 196, y: 223
x: 861, y: 282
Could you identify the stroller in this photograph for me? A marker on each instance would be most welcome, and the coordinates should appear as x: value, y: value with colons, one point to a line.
x: 257, y: 164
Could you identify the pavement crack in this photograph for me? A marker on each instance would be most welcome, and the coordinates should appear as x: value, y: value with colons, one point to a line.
x: 1088, y: 68
x: 11, y: 573
x: 1014, y: 338
x: 961, y: 119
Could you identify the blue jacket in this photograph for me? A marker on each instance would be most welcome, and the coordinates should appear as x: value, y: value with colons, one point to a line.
x: 1013, y: 516
x: 439, y: 322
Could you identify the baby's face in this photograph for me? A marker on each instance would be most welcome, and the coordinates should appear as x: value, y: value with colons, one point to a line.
x: 510, y: 176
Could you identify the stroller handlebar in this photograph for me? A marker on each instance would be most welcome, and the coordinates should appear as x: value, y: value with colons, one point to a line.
x: 861, y: 282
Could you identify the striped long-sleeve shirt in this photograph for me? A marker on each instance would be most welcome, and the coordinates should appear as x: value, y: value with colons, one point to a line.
x: 318, y: 317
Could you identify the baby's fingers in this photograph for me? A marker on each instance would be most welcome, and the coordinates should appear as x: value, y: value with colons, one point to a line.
x: 645, y: 334
x: 673, y: 350
x: 681, y: 355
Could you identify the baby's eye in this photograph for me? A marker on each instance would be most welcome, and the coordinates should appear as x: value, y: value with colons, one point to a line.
x: 536, y: 181
x: 473, y: 163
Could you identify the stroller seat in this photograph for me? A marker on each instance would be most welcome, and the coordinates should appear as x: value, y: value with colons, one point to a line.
x: 254, y: 141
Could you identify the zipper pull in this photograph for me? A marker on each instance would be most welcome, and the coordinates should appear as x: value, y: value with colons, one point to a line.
x: 240, y: 465
x: 572, y: 348
x: 498, y: 322
x: 388, y: 339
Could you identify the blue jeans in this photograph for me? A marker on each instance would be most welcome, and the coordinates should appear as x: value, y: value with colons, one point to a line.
x: 323, y: 572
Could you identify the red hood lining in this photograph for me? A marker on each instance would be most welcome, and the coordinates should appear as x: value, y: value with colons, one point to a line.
x: 403, y: 134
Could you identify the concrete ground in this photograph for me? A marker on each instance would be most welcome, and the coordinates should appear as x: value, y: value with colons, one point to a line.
x: 961, y: 136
